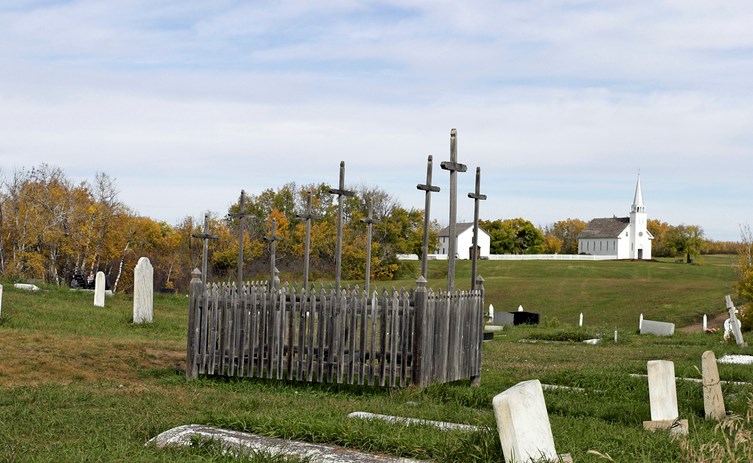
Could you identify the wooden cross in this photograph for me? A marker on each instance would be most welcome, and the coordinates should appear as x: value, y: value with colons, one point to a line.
x: 476, y: 196
x: 206, y: 237
x: 454, y: 167
x: 272, y: 240
x: 308, y: 217
x: 240, y: 215
x: 369, y: 221
x: 340, y: 192
x: 429, y: 189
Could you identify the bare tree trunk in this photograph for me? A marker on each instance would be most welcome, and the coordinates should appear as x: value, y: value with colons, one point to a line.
x: 120, y: 268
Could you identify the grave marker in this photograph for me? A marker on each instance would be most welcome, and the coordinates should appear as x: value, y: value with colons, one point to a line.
x: 476, y: 196
x: 662, y: 393
x: 308, y: 217
x: 523, y: 424
x: 734, y: 322
x: 369, y: 221
x: 454, y: 167
x: 143, y: 291
x: 657, y: 328
x: 713, y: 400
x: 206, y: 236
x: 340, y: 191
x: 99, y: 289
x: 429, y: 189
x: 1, y: 300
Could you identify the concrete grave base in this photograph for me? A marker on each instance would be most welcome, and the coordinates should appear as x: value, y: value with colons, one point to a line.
x: 675, y: 427
x: 236, y: 441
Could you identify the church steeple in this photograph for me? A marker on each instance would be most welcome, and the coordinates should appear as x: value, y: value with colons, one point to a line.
x: 638, y: 198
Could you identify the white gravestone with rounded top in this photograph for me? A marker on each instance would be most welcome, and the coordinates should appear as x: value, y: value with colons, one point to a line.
x: 143, y: 291
x: 1, y: 300
x: 99, y: 290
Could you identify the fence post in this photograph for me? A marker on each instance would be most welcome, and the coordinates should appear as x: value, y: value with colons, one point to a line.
x: 418, y: 334
x: 194, y: 297
x: 479, y: 313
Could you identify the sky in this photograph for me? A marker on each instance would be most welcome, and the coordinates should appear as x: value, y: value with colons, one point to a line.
x: 562, y: 104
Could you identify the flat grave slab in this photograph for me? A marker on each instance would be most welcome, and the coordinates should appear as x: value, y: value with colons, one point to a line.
x: 236, y: 441
x: 445, y: 426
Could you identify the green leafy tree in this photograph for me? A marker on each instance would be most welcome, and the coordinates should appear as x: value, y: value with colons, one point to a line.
x: 513, y: 236
x: 565, y: 232
x: 687, y: 240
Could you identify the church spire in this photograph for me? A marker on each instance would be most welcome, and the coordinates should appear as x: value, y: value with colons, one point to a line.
x: 638, y: 198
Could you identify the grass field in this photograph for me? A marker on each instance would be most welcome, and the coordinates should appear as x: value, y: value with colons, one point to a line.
x: 80, y: 383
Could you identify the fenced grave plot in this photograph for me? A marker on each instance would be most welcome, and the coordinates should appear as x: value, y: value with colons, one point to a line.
x: 389, y: 338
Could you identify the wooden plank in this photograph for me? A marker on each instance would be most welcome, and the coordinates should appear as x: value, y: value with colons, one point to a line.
x: 363, y: 331
x: 282, y: 324
x: 352, y: 357
x: 253, y: 331
x: 311, y: 320
x: 203, y: 337
x: 383, y: 327
x: 372, y: 335
x: 405, y: 336
x: 293, y: 316
x: 322, y: 335
x: 262, y: 335
x: 394, y: 334
x: 302, y: 345
x: 272, y: 321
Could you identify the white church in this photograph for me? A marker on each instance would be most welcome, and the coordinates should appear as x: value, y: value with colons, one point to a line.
x: 621, y: 237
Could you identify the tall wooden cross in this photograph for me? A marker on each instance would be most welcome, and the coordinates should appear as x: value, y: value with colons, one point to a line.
x: 308, y: 217
x: 476, y: 196
x: 206, y: 237
x: 369, y: 221
x: 240, y: 215
x: 340, y: 192
x: 429, y: 189
x: 272, y: 239
x: 454, y: 167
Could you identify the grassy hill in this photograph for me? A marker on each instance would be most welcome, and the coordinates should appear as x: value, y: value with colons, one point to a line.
x: 81, y: 383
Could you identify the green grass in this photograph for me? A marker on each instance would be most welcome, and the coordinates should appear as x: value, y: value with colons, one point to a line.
x: 79, y: 383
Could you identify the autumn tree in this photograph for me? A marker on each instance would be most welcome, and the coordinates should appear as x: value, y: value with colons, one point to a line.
x: 564, y: 234
x: 513, y: 236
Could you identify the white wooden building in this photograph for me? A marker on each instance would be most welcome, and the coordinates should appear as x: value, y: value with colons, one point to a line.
x: 464, y: 247
x: 621, y: 237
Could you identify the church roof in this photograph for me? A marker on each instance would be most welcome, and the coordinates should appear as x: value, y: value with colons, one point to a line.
x: 459, y: 228
x: 605, y: 228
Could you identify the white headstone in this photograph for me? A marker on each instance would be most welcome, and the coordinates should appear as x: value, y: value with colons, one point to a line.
x: 1, y: 300
x: 657, y: 328
x: 713, y: 400
x: 26, y: 286
x: 99, y: 290
x: 143, y: 291
x: 663, y: 396
x: 520, y: 308
x: 491, y: 312
x: 662, y: 391
x: 705, y: 323
x: 523, y: 424
x: 640, y: 323
x: 580, y: 320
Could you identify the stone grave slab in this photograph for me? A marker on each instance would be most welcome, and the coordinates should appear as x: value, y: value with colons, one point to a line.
x: 516, y: 318
x: 713, y: 400
x: 143, y: 291
x: 99, y: 290
x: 523, y: 424
x: 236, y: 441
x: 26, y: 287
x: 444, y: 426
x: 662, y: 393
x: 657, y: 328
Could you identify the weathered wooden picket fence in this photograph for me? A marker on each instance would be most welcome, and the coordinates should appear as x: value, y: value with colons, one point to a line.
x: 389, y: 338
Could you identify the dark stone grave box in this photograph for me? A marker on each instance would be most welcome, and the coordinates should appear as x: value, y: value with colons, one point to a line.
x: 516, y: 318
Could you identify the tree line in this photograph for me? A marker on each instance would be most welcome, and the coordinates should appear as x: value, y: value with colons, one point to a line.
x: 52, y: 229
x: 520, y: 236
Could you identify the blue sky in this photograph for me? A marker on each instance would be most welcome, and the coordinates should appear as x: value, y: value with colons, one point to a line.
x: 561, y: 104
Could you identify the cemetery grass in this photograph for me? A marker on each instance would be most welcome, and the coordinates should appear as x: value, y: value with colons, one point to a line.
x: 79, y: 383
